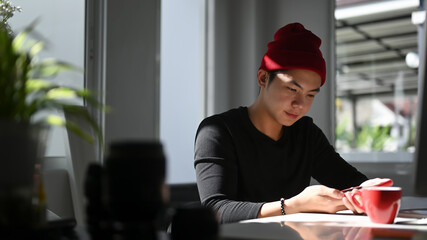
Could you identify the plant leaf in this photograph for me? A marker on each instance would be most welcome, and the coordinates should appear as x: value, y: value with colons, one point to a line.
x: 36, y: 48
x: 82, y: 112
x: 37, y: 85
x: 19, y: 40
x: 77, y: 130
x: 61, y: 93
x: 48, y: 68
x: 58, y: 121
x: 55, y: 120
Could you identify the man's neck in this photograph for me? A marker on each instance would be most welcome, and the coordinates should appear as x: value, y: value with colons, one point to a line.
x: 262, y: 121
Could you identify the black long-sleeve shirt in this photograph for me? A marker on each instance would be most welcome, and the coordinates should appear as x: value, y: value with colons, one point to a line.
x: 239, y: 168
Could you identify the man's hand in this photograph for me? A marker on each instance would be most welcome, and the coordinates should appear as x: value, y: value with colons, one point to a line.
x: 347, y: 200
x: 316, y: 198
x: 384, y: 182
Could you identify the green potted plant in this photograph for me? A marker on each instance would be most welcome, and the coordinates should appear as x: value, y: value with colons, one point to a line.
x: 7, y: 11
x: 25, y: 90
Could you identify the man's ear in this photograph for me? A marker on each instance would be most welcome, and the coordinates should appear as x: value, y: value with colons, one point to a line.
x: 262, y: 78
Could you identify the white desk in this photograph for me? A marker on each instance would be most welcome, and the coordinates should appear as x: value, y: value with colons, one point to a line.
x: 314, y: 226
x: 321, y: 226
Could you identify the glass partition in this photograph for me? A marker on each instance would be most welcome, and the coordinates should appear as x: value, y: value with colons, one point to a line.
x: 376, y: 79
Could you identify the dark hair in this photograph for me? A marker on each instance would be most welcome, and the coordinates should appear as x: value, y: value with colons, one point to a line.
x: 272, y: 75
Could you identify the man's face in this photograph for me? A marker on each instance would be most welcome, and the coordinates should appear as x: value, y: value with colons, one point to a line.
x: 290, y: 95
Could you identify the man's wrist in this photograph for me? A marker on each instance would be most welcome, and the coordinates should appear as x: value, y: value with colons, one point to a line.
x: 282, y: 206
x: 289, y: 206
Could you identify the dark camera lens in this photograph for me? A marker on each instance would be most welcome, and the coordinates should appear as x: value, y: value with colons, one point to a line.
x: 135, y: 176
x: 194, y: 222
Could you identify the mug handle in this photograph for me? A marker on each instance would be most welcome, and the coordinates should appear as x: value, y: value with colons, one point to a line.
x: 355, y: 193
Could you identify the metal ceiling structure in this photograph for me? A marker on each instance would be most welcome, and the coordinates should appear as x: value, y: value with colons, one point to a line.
x: 371, y: 46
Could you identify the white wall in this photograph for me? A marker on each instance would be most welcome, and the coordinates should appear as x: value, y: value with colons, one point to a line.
x: 181, y: 83
x: 132, y: 70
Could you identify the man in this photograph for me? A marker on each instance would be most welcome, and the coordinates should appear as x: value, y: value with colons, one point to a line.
x: 257, y: 161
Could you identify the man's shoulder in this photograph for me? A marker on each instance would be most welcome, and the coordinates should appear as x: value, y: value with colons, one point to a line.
x: 222, y: 124
x: 226, y: 117
x: 229, y: 121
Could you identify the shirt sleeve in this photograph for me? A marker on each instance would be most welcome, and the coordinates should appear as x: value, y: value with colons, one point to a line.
x: 329, y: 168
x: 217, y: 173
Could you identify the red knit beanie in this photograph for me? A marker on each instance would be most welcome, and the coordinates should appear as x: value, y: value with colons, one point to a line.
x: 295, y: 47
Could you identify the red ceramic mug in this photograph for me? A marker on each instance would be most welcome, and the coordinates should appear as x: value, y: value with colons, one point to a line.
x: 381, y: 204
